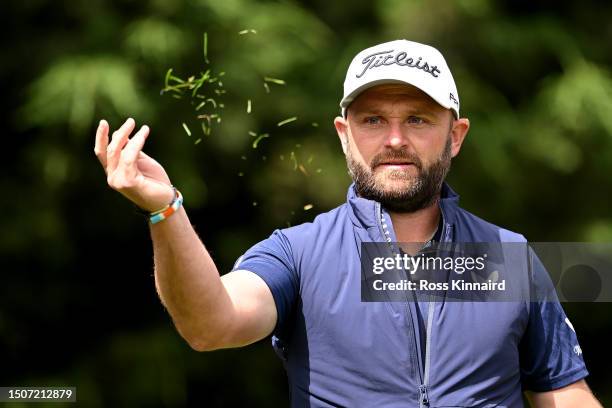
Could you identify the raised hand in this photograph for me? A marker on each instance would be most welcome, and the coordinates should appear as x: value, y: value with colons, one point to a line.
x: 129, y: 170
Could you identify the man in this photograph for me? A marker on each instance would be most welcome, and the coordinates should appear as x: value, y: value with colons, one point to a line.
x: 400, y: 127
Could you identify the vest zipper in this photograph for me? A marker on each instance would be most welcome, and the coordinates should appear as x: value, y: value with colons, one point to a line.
x: 423, y: 397
x: 424, y: 401
x: 422, y: 388
x: 446, y: 237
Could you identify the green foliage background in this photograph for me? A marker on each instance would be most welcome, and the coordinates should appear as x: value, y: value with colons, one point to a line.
x: 78, y: 303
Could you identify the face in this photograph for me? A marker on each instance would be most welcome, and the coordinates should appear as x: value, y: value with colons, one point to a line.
x: 398, y: 144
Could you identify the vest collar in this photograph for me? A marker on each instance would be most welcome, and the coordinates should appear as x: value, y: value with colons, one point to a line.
x: 363, y: 211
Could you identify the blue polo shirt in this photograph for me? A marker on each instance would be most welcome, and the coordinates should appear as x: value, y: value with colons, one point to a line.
x: 340, y: 351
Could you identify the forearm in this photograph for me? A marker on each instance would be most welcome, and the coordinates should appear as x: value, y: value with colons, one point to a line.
x: 188, y: 282
x: 208, y: 312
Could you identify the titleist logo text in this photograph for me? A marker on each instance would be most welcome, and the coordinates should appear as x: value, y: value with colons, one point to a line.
x: 381, y: 58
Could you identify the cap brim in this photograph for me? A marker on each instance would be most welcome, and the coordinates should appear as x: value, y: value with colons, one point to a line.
x: 348, y: 99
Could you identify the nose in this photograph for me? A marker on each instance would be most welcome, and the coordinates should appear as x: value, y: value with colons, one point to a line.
x: 395, y: 138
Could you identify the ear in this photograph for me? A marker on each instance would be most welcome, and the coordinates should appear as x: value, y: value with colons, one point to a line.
x: 459, y: 131
x: 341, y: 125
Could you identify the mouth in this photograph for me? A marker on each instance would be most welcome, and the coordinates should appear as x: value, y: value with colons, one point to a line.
x: 396, y: 164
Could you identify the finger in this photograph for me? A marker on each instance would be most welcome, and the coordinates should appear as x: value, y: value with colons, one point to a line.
x: 150, y: 168
x: 101, y: 142
x: 143, y: 155
x: 129, y: 154
x: 120, y: 138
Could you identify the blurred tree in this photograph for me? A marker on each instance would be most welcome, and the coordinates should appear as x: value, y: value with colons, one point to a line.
x: 78, y: 303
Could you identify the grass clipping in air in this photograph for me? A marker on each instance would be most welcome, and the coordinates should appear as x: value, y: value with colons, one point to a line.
x: 202, y: 91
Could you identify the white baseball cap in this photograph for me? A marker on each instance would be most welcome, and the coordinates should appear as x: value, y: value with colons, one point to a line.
x: 401, y: 61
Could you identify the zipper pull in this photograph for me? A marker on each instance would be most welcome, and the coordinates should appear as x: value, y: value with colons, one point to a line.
x: 424, y: 399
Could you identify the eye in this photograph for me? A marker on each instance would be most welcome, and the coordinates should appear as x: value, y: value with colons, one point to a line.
x: 372, y: 120
x: 415, y: 120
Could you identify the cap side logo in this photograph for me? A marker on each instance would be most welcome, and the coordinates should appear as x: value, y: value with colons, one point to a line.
x: 452, y: 98
x: 382, y: 58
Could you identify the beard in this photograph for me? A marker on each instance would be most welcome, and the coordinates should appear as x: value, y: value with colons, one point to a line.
x: 399, y: 190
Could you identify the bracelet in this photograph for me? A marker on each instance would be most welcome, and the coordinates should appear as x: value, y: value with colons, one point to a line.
x: 167, y: 211
x: 147, y: 213
x: 174, y: 195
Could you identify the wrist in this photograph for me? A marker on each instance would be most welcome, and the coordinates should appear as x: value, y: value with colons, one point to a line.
x: 161, y: 214
x: 164, y: 213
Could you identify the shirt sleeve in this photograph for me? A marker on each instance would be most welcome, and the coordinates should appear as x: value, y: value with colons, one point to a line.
x: 550, y: 356
x: 272, y: 260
